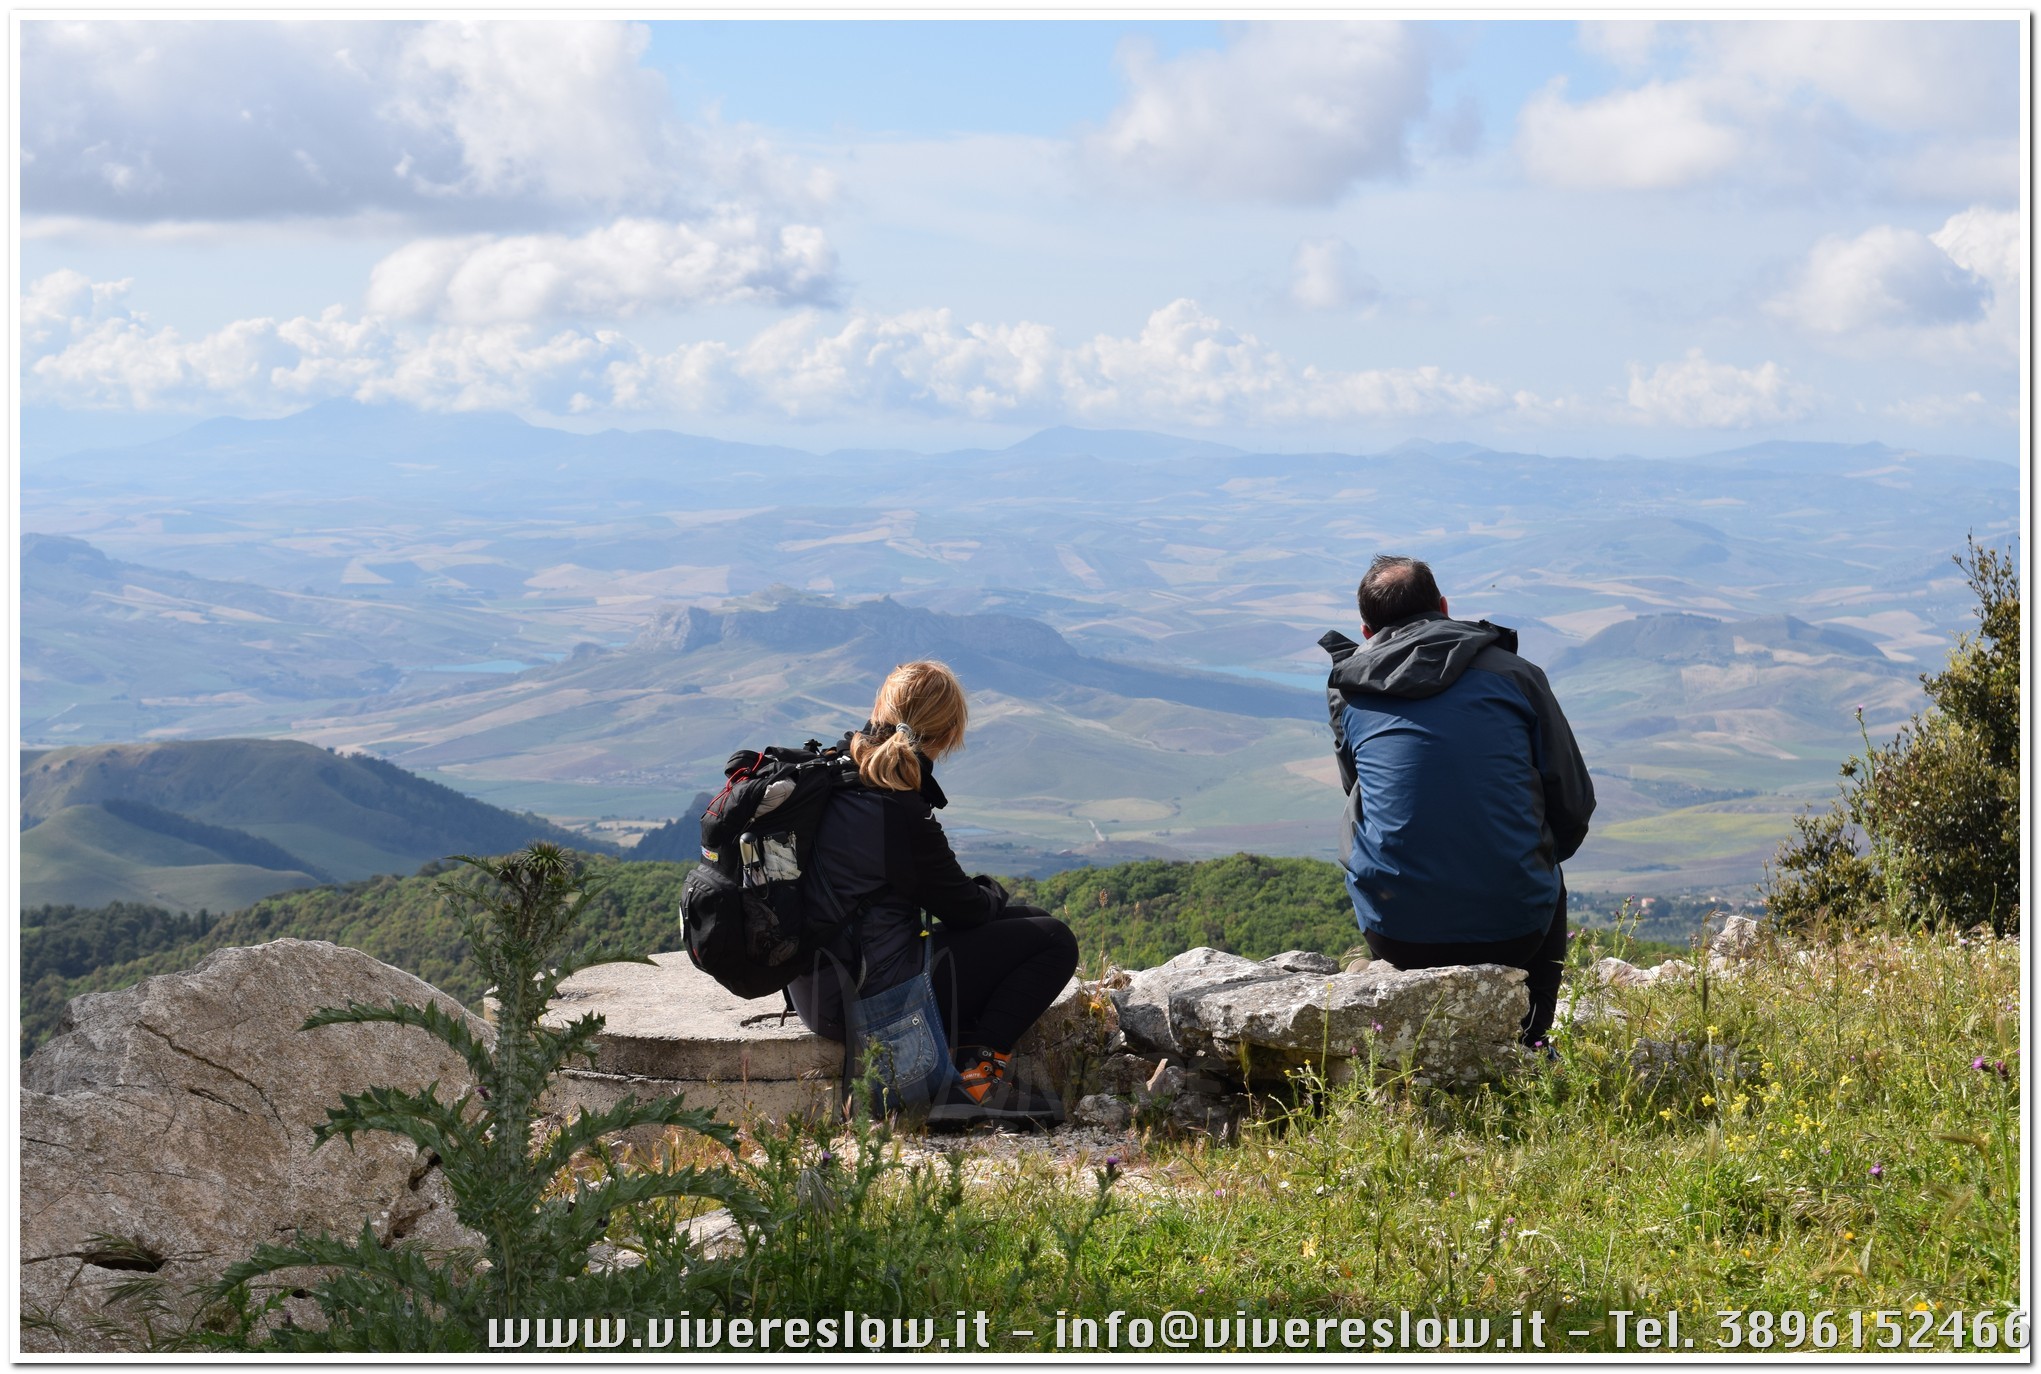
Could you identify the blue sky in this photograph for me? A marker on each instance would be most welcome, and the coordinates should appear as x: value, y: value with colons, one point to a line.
x: 1597, y: 238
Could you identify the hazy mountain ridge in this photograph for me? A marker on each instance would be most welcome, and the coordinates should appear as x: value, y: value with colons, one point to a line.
x: 130, y: 647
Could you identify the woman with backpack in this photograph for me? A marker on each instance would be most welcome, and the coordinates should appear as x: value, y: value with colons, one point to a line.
x: 995, y: 964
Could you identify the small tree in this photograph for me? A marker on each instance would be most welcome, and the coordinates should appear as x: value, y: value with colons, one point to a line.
x: 1938, y: 808
x: 536, y: 1238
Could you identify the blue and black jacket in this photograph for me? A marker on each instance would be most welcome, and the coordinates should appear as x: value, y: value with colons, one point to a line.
x: 1465, y: 789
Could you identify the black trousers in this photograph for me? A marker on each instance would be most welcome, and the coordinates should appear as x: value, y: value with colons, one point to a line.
x: 994, y: 981
x: 1540, y: 954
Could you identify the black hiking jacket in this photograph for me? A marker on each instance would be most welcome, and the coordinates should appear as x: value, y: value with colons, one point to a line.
x: 887, y: 849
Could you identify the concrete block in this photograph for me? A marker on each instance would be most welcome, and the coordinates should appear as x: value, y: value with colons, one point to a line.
x: 668, y: 1020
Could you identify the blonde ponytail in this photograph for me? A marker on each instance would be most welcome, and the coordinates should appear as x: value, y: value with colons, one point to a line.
x: 920, y: 707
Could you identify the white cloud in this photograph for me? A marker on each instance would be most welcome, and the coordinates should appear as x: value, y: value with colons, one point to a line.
x: 88, y: 349
x: 1986, y: 242
x: 619, y: 270
x: 1654, y: 136
x: 1953, y: 295
x: 1694, y: 393
x: 1884, y: 278
x: 1920, y: 107
x: 555, y: 111
x: 1901, y: 74
x: 451, y: 122
x: 1628, y: 43
x: 1287, y: 111
x: 1326, y: 275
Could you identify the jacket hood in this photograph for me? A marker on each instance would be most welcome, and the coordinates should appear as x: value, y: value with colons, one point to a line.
x: 1418, y: 657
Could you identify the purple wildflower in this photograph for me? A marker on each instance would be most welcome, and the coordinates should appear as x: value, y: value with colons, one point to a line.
x: 826, y: 1159
x: 1977, y: 1063
x: 1877, y: 1171
x: 1377, y: 1027
x: 1999, y: 1067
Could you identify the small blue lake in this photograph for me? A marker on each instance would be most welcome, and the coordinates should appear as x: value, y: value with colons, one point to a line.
x: 1310, y: 681
x: 494, y: 665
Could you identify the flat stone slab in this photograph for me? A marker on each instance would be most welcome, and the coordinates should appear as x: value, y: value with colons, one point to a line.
x: 669, y: 1020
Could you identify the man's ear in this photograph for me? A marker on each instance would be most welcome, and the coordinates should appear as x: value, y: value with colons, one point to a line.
x: 1367, y: 632
x: 1442, y: 607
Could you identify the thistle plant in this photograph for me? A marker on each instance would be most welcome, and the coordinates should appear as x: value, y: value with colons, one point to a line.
x: 535, y: 1259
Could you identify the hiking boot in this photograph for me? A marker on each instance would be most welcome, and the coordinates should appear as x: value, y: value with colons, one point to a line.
x: 985, y: 1091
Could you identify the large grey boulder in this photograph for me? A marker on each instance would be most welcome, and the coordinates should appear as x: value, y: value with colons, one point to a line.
x: 178, y: 1115
x: 1252, y: 1023
x: 1144, y: 1004
x: 1453, y: 1024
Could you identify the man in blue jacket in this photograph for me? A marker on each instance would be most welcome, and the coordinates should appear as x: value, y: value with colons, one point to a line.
x: 1465, y: 790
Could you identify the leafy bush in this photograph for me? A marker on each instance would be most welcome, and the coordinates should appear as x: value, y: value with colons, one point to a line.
x: 1937, y: 809
x: 538, y: 1220
x: 1144, y: 912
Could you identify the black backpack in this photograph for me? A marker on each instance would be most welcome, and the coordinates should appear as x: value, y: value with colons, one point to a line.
x: 747, y: 919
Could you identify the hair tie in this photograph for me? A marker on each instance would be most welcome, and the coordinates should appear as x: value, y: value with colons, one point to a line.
x: 901, y: 727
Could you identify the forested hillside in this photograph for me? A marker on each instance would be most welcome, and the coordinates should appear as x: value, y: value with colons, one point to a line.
x: 1140, y: 914
x: 1136, y: 915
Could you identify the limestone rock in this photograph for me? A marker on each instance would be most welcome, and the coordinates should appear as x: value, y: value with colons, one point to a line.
x: 716, y: 1235
x: 1214, y: 1114
x: 1455, y: 1024
x: 1065, y: 1045
x: 1619, y: 973
x: 1103, y: 1110
x: 1302, y: 961
x: 1739, y: 938
x: 179, y: 1114
x: 1144, y: 1004
x: 1124, y: 1073
x: 1615, y: 973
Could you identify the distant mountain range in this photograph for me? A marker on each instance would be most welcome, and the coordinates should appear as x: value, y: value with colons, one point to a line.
x: 117, y: 649
x: 216, y: 824
x: 585, y: 625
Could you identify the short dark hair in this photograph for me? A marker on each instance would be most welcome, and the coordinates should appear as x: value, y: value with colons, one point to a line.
x: 1396, y: 588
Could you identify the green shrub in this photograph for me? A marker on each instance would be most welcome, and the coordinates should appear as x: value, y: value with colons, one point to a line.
x: 1937, y: 809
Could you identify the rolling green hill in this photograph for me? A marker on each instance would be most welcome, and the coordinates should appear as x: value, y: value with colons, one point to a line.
x: 341, y: 815
x: 123, y: 822
x: 88, y: 856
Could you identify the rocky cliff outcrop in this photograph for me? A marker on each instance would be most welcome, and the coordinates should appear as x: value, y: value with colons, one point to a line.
x: 167, y: 1128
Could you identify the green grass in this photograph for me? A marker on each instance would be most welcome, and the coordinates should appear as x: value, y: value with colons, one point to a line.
x: 1820, y: 1143
x: 1829, y: 1131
